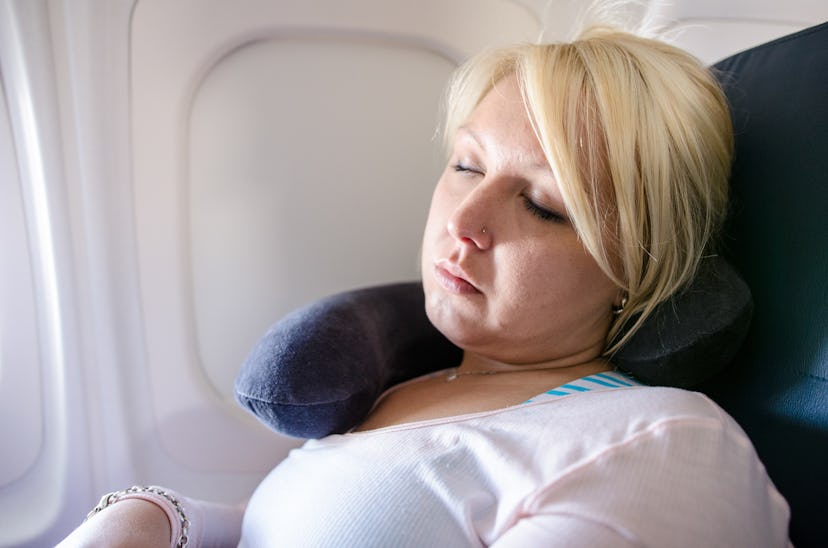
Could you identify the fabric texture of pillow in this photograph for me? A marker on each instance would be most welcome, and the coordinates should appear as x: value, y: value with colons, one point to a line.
x: 695, y: 334
x: 320, y: 369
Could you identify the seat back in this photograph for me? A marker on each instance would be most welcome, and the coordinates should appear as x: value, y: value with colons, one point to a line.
x: 777, y: 236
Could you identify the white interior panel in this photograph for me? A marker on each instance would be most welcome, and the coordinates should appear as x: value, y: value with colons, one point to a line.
x: 710, y: 29
x: 37, y: 327
x: 713, y: 30
x: 713, y: 40
x: 21, y: 416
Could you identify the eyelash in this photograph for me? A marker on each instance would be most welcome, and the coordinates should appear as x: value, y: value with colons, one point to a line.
x: 460, y: 168
x: 541, y: 213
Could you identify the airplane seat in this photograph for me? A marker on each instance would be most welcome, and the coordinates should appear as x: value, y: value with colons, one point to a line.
x: 777, y: 387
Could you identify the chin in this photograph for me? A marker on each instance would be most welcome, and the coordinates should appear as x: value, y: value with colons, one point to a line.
x: 460, y: 330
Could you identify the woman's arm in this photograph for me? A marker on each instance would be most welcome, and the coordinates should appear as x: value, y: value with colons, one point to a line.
x: 126, y: 524
x: 148, y: 519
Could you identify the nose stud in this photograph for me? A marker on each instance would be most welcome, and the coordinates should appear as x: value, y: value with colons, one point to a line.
x: 483, y: 230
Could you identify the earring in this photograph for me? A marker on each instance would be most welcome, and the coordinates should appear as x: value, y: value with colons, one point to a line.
x: 617, y: 310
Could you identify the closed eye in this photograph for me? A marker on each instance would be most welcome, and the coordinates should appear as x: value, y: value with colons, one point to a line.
x: 461, y: 168
x: 542, y: 213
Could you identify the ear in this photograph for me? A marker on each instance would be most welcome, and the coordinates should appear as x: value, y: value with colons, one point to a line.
x: 620, y: 302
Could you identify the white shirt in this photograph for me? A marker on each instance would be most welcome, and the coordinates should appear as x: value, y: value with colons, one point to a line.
x: 634, y: 466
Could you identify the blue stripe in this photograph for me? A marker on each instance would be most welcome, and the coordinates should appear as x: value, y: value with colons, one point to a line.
x: 613, y: 378
x: 575, y: 387
x: 598, y: 381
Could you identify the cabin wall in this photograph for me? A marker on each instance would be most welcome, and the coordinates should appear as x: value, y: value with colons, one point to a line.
x: 178, y: 175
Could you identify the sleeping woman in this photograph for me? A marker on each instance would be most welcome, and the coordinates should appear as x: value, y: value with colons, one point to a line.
x: 585, y: 182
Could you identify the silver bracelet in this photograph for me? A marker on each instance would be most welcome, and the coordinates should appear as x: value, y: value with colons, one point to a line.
x: 112, y: 498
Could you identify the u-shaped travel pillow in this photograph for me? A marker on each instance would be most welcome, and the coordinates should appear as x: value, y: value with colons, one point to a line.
x: 319, y: 370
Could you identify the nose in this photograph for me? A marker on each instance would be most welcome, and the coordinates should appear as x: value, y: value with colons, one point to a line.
x: 472, y: 221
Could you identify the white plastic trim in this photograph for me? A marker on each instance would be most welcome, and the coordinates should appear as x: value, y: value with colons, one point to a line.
x: 33, y: 503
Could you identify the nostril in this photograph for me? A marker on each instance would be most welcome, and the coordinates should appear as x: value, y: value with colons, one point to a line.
x: 479, y: 237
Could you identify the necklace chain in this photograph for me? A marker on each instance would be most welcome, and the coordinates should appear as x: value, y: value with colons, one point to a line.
x: 455, y: 373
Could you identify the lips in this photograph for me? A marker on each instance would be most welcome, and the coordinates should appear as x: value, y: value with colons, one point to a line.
x: 453, y: 279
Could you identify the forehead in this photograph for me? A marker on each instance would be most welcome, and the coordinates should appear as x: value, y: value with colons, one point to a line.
x: 500, y: 125
x: 503, y: 106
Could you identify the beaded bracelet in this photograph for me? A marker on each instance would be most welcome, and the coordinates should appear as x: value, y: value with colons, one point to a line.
x: 135, y: 492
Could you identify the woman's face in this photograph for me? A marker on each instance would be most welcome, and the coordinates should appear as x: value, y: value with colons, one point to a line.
x: 504, y: 272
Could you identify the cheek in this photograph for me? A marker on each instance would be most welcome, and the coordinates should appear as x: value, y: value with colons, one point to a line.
x: 562, y: 278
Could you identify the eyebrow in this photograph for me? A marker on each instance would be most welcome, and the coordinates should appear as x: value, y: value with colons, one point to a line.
x: 468, y: 130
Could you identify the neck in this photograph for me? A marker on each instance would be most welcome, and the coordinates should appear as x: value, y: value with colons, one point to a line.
x: 575, y: 367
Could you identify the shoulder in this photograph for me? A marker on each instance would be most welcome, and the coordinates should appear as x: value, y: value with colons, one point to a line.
x: 655, y: 422
x: 657, y: 401
x: 657, y: 461
x: 632, y: 411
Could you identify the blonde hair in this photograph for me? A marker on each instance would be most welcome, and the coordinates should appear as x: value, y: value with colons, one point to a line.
x: 638, y: 135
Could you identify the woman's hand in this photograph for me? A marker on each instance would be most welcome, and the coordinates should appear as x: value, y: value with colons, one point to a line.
x: 130, y: 523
